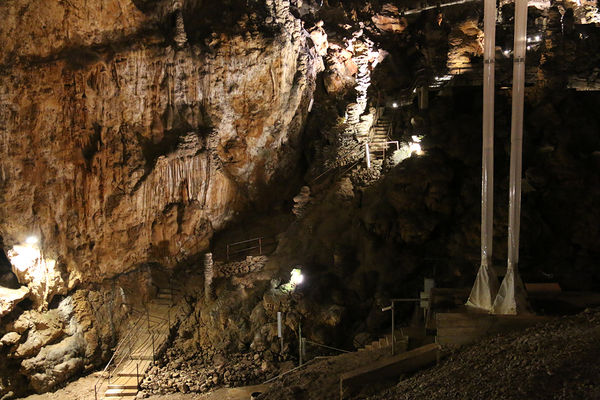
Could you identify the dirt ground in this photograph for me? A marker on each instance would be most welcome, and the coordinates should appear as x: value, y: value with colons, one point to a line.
x: 83, y: 389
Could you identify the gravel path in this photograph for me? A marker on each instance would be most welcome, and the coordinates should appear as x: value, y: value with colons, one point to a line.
x: 558, y: 360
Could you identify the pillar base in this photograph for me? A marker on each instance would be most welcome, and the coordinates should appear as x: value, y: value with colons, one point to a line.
x: 512, y: 297
x: 484, y: 290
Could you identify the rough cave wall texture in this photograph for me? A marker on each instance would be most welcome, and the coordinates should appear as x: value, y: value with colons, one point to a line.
x: 130, y: 132
x: 121, y: 146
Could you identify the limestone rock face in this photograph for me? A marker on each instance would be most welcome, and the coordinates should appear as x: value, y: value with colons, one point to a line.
x: 11, y: 297
x: 119, y: 148
x: 389, y: 20
x: 465, y: 41
x: 42, y: 349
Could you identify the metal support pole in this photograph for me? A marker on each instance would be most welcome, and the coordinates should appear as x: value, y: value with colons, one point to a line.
x: 393, y: 330
x: 368, y: 155
x: 486, y: 285
x: 260, y: 246
x: 300, y: 343
x: 512, y: 298
x: 280, y: 328
x: 170, y: 303
x: 391, y: 308
x: 153, y: 357
x: 137, y: 374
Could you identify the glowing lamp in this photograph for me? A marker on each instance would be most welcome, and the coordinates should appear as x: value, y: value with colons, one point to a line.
x: 395, y: 105
x: 31, y: 240
x: 416, y: 148
x: 297, y: 277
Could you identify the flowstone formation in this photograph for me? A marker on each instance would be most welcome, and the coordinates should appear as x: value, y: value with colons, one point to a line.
x: 131, y: 131
x: 129, y: 147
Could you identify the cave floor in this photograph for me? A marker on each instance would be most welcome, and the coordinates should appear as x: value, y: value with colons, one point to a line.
x: 83, y: 389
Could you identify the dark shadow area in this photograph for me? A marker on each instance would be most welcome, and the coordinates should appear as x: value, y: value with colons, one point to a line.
x: 7, y: 277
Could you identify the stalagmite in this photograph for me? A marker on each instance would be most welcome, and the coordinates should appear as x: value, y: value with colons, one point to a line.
x: 208, y: 276
x: 301, y: 201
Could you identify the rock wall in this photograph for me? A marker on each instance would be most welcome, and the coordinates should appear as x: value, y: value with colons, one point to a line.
x: 120, y: 147
x: 41, y: 350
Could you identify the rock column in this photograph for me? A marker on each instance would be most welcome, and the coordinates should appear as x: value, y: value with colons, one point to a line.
x: 208, y: 276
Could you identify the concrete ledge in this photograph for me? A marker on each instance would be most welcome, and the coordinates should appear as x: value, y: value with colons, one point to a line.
x: 388, y: 368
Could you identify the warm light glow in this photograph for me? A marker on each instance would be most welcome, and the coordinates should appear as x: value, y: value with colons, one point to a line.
x: 24, y: 257
x: 297, y: 277
x: 506, y: 52
x: 395, y: 105
x: 31, y: 240
x: 416, y: 148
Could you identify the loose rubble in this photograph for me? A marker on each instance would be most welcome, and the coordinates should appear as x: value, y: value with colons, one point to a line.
x: 203, y: 372
x: 249, y: 264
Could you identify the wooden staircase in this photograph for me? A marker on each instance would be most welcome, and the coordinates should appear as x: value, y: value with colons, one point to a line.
x: 378, y: 138
x: 401, y: 343
x: 406, y: 338
x: 138, y: 349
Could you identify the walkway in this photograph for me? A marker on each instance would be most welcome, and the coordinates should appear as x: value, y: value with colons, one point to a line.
x: 138, y: 349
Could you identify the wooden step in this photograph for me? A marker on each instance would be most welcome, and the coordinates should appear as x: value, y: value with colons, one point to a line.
x: 124, y: 386
x: 120, y: 393
x: 134, y: 368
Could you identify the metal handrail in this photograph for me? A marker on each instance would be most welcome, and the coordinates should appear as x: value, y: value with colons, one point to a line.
x: 259, y: 247
x: 129, y: 334
x: 327, y: 347
x: 160, y: 323
x: 118, y: 364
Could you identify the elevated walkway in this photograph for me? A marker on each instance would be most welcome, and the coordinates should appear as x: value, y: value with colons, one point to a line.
x: 138, y: 349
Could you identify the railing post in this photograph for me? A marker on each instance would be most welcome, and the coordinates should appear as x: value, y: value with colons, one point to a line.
x: 95, y: 393
x: 153, y: 357
x: 260, y: 246
x: 137, y: 374
x: 393, y: 331
x: 300, y: 343
x: 391, y: 309
x: 227, y: 252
